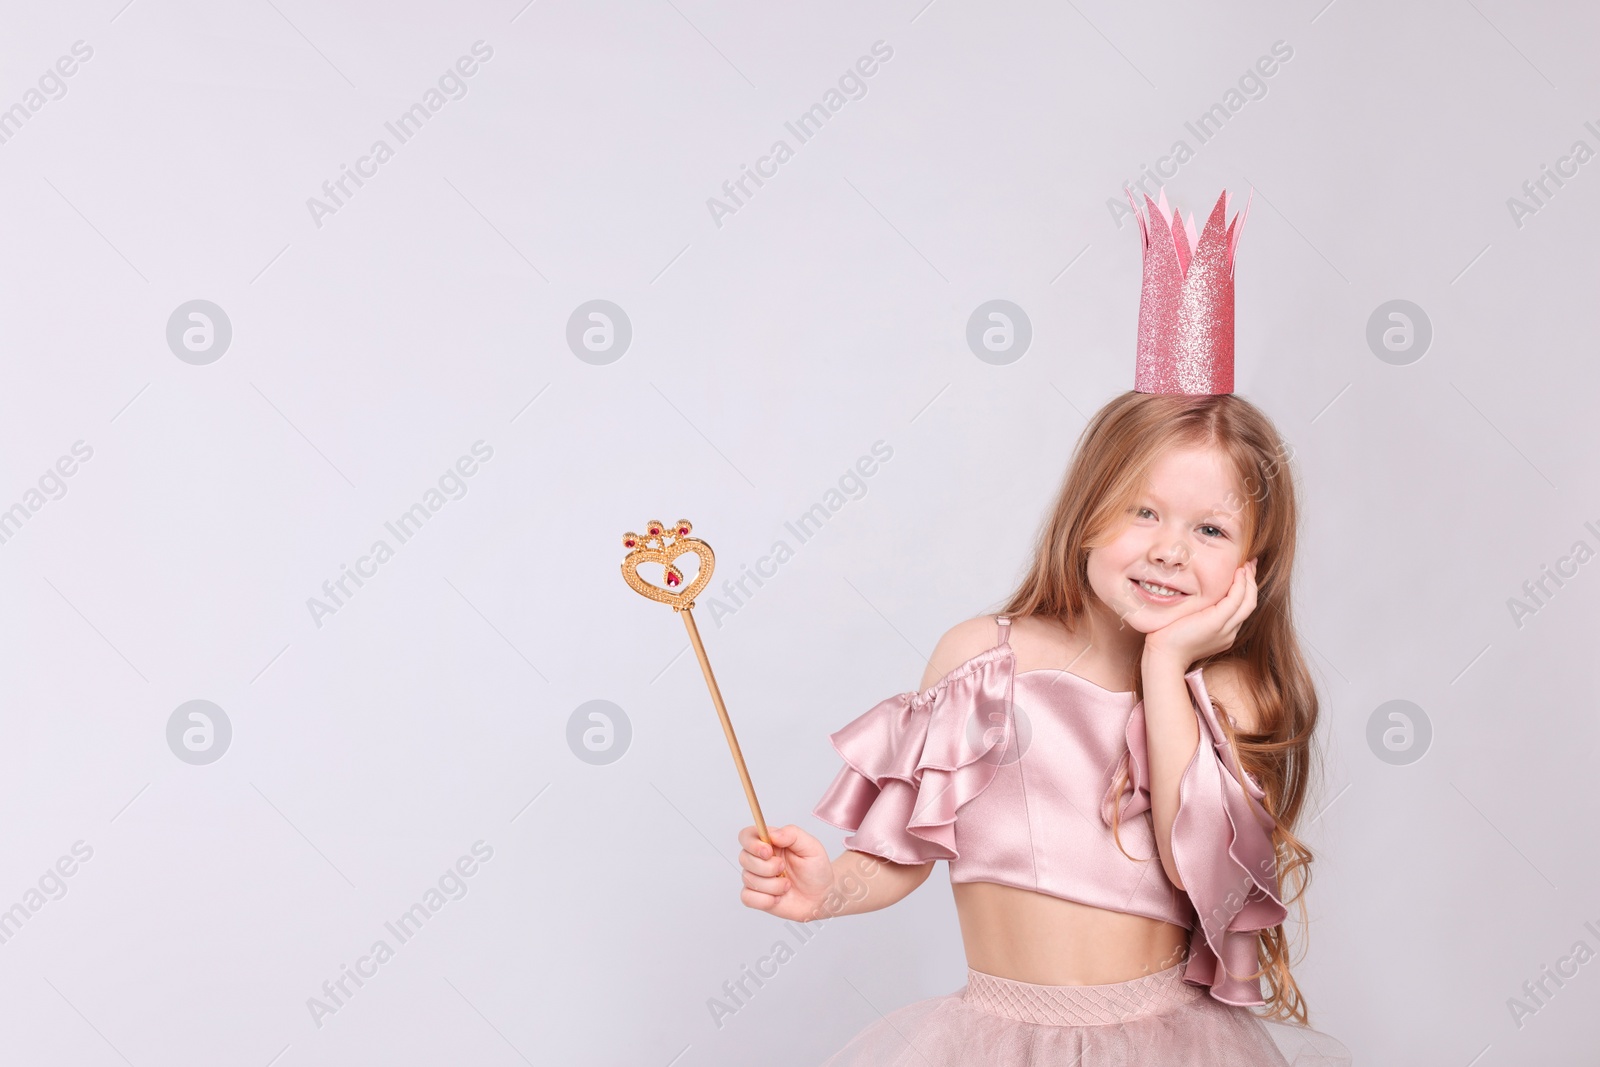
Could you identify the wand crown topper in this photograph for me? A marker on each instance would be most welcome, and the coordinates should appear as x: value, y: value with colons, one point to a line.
x: 663, y: 544
x: 1186, y: 302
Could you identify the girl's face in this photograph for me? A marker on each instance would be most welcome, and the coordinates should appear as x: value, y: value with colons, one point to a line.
x: 1184, y: 532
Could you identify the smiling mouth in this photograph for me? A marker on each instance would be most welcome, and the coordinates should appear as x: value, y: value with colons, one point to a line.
x: 1159, y: 594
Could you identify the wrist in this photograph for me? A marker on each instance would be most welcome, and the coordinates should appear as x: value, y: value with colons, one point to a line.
x: 1157, y: 660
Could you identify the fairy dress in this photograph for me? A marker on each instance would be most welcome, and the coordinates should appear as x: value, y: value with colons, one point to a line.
x: 1011, y: 778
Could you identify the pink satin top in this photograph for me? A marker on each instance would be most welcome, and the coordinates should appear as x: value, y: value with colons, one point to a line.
x: 1009, y: 777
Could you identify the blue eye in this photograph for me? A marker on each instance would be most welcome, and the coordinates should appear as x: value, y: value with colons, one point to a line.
x: 1220, y: 532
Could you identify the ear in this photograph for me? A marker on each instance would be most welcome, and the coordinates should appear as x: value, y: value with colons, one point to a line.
x: 1228, y: 683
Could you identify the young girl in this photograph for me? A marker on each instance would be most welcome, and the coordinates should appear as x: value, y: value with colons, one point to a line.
x: 1117, y: 850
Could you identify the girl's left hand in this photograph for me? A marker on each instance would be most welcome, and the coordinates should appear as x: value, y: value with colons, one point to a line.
x: 1210, y: 630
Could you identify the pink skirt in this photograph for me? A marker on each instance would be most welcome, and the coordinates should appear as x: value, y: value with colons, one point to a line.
x: 1158, y: 1020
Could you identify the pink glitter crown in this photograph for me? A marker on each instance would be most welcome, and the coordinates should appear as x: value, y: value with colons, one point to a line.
x: 1186, y: 303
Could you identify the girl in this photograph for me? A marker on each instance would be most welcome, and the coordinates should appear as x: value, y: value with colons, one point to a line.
x: 1117, y: 850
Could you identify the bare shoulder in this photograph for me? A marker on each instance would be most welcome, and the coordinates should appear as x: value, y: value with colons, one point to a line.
x: 960, y: 643
x: 1043, y: 641
x: 1232, y: 689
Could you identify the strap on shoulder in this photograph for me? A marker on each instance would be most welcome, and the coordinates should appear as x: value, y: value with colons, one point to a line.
x: 1004, y: 624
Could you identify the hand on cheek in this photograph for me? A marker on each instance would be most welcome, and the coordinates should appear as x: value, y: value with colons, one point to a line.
x: 1207, y: 629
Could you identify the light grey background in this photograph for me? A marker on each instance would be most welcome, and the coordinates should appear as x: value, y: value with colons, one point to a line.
x: 768, y: 354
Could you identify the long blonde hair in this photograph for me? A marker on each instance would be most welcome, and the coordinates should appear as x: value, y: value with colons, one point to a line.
x: 1109, y: 466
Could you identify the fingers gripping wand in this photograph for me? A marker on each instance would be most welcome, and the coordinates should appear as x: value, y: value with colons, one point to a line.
x: 662, y: 544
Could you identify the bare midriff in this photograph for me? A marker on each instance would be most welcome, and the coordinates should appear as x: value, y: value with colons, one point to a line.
x: 1034, y: 937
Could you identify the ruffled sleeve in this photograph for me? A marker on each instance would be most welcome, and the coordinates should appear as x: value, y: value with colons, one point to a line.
x: 912, y: 760
x: 1222, y: 847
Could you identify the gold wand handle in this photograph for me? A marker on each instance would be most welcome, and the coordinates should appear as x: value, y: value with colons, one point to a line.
x: 727, y: 724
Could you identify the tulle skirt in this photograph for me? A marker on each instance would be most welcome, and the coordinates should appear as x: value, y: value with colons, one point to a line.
x: 1158, y: 1020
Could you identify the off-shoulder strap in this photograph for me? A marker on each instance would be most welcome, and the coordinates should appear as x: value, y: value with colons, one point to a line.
x: 1004, y: 624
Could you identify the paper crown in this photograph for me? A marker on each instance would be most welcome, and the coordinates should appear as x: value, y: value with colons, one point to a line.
x: 1186, y: 303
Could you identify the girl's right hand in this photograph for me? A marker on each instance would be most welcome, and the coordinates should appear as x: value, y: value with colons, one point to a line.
x: 798, y: 896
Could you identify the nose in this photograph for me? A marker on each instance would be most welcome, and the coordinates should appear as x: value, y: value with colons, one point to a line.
x: 1169, y: 553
